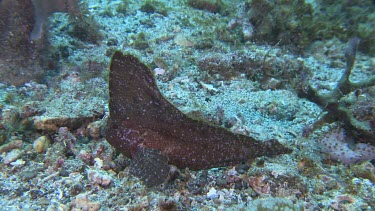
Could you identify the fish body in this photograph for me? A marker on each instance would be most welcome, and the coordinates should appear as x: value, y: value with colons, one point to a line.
x: 142, y: 120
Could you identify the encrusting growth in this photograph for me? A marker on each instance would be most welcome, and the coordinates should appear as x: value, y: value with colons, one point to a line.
x: 337, y: 108
x: 43, y: 8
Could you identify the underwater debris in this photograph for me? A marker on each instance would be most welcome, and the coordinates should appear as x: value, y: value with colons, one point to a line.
x: 152, y: 6
x: 144, y: 125
x: 51, y: 124
x: 98, y: 177
x: 274, y: 203
x: 81, y: 202
x: 82, y: 25
x: 19, y: 58
x: 11, y: 145
x: 365, y: 170
x: 12, y: 156
x: 43, y: 8
x: 336, y: 145
x: 94, y: 129
x: 214, y: 6
x: 336, y: 105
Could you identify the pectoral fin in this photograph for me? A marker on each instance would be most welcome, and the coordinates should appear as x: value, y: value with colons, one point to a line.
x: 150, y: 166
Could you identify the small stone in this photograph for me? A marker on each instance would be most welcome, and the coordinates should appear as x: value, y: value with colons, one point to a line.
x: 28, y: 175
x: 98, y: 163
x: 230, y: 122
x: 11, y: 145
x: 98, y: 177
x: 52, y: 124
x: 159, y: 71
x: 19, y: 191
x: 94, y: 129
x: 112, y: 42
x: 221, y: 182
x: 212, y: 194
x: 86, y: 157
x: 242, y: 168
x: 9, y: 117
x: 34, y: 194
x: 41, y: 144
x: 365, y: 170
x: 18, y: 162
x: 12, y: 156
x: 81, y: 202
x: 106, y: 180
x: 76, y: 189
x: 208, y: 87
x: 182, y: 40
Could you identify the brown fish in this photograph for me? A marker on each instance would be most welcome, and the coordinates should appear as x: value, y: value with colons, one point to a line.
x: 146, y: 127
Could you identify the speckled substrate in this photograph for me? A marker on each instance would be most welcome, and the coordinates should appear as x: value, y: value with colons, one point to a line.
x: 79, y: 170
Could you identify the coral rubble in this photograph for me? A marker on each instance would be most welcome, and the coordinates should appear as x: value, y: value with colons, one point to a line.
x: 297, y: 71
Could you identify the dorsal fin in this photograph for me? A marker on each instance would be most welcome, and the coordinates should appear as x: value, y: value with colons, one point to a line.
x: 137, y: 87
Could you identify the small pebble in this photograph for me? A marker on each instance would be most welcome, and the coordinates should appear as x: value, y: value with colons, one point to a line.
x: 28, y: 175
x: 81, y: 202
x: 12, y: 156
x: 94, y: 129
x: 212, y: 194
x: 98, y: 177
x: 34, y: 194
x: 41, y: 144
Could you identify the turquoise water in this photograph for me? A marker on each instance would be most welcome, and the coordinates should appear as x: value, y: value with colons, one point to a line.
x: 299, y: 72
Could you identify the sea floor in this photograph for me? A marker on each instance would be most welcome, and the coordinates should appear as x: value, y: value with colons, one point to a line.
x: 54, y: 155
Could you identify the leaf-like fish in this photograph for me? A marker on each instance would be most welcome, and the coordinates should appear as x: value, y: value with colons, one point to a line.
x: 144, y: 125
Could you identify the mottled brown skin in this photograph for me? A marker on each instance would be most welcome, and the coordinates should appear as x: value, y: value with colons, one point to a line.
x: 141, y: 117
